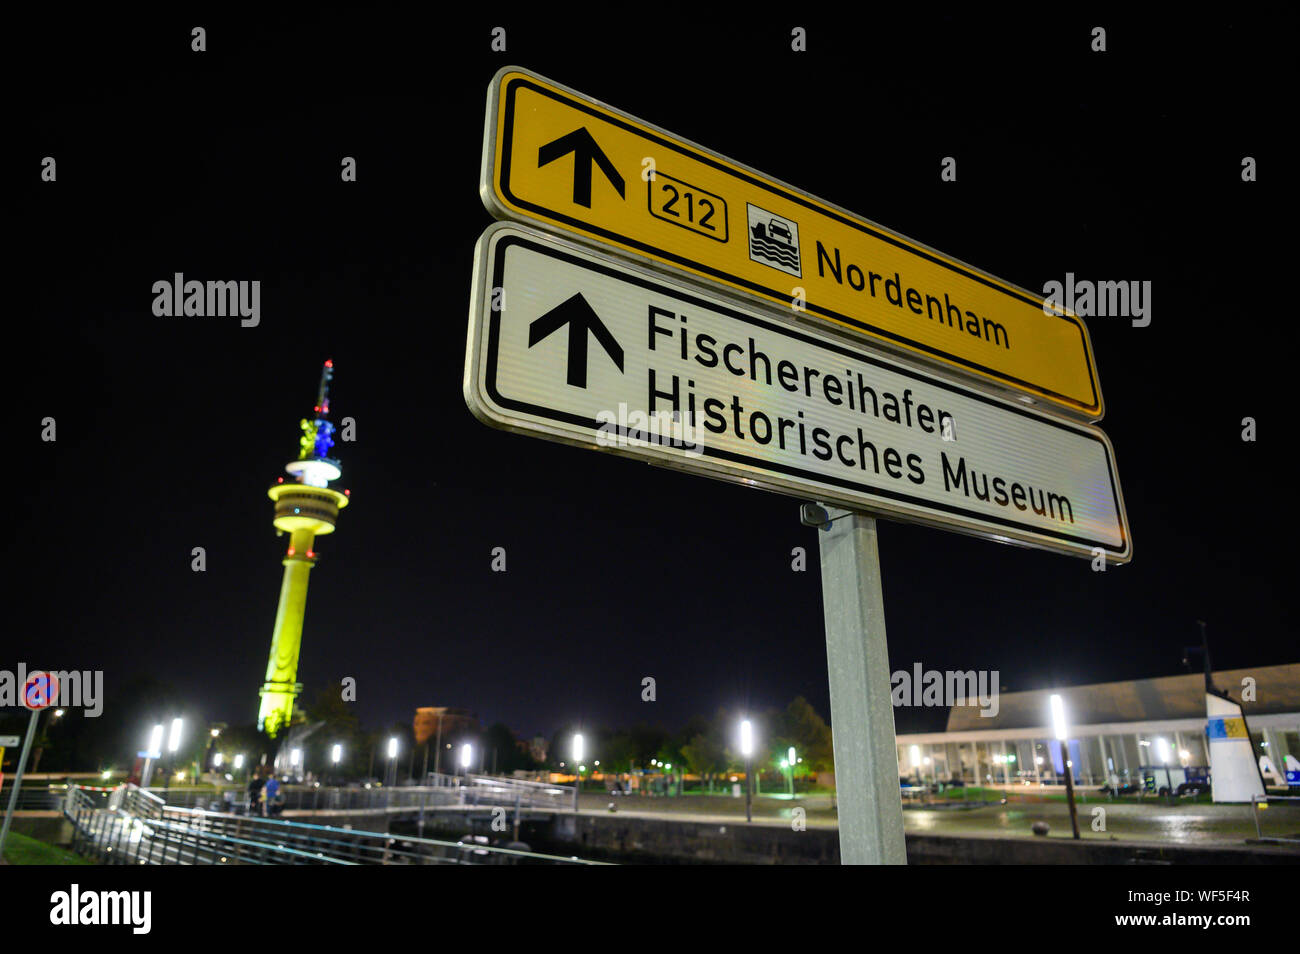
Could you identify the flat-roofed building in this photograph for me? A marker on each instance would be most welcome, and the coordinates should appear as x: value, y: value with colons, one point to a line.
x: 1113, y: 731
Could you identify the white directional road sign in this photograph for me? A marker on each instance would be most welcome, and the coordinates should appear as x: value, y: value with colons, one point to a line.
x: 576, y: 346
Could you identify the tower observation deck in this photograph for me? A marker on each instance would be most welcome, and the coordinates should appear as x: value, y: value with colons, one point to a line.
x: 305, y: 507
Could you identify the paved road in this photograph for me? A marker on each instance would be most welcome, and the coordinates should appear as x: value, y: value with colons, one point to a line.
x: 1185, y: 823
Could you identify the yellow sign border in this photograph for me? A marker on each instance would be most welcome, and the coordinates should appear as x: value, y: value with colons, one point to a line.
x: 497, y: 197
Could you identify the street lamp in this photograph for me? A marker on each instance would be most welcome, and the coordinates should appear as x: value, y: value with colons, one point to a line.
x: 1162, y: 753
x: 747, y: 750
x: 466, y: 754
x: 154, y: 752
x: 577, y: 769
x: 392, y: 756
x: 792, y: 760
x: 1058, y: 722
x: 173, y: 744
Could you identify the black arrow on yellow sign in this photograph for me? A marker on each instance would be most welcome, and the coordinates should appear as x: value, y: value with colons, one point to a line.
x: 586, y: 153
x: 581, y: 319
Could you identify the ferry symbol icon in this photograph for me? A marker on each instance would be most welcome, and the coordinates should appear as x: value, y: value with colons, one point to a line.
x: 774, y: 240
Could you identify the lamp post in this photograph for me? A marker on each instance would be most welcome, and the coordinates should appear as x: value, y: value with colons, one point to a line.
x: 392, y: 764
x: 173, y: 744
x: 1162, y: 753
x: 790, y: 757
x: 155, y: 753
x: 437, y: 748
x: 466, y: 755
x: 1058, y: 721
x: 577, y: 769
x: 747, y: 750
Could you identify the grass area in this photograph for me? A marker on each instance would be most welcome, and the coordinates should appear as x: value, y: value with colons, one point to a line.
x: 22, y: 850
x: 972, y: 793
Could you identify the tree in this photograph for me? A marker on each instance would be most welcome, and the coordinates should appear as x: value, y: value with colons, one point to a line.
x: 705, y: 755
x: 504, y: 752
x: 809, y: 734
x: 341, y: 727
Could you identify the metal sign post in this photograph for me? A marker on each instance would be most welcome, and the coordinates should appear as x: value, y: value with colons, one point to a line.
x: 862, y: 714
x: 40, y: 691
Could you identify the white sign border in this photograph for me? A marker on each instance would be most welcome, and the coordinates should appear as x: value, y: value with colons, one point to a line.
x: 924, y: 513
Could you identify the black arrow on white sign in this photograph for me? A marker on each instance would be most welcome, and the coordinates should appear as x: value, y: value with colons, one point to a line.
x: 586, y: 153
x: 581, y: 319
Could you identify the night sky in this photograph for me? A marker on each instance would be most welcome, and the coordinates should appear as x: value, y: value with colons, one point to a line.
x: 225, y: 165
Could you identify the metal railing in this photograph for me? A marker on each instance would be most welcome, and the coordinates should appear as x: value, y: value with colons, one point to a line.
x: 445, y: 790
x: 310, y: 798
x: 134, y: 826
x: 33, y: 798
x: 1260, y: 803
x: 504, y: 791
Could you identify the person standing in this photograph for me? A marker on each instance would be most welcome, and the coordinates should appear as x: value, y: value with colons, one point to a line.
x: 255, y: 793
x: 271, y: 793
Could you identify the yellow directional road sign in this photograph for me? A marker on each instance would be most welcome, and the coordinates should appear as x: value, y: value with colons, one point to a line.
x: 556, y: 157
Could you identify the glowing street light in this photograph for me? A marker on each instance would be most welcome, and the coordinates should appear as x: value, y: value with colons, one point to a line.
x: 577, y: 769
x: 154, y: 752
x: 1058, y: 716
x: 217, y: 759
x: 466, y: 754
x: 173, y: 743
x: 392, y: 763
x: 336, y: 753
x: 1059, y: 725
x: 747, y: 749
x: 1162, y: 753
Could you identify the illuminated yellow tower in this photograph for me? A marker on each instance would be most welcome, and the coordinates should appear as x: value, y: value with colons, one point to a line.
x: 305, y: 508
